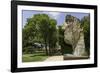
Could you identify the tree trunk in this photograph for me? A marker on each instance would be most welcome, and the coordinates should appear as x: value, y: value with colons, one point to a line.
x: 46, y: 49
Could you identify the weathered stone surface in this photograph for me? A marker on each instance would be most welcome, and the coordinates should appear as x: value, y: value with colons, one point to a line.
x: 80, y: 47
x: 74, y: 36
x: 72, y: 29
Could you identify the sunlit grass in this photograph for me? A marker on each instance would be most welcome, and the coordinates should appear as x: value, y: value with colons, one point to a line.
x: 34, y: 57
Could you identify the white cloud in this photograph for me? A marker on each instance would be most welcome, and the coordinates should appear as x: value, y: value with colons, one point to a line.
x: 55, y: 15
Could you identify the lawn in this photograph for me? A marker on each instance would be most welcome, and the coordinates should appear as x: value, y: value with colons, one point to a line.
x: 34, y: 57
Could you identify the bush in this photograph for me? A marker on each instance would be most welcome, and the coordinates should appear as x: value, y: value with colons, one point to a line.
x: 28, y: 50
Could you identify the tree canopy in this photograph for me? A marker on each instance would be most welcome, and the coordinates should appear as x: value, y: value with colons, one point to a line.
x: 85, y: 24
x: 41, y: 29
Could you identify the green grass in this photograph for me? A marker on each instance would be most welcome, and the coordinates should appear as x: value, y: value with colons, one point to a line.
x: 34, y: 57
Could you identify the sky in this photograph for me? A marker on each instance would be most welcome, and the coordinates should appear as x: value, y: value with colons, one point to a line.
x: 59, y: 16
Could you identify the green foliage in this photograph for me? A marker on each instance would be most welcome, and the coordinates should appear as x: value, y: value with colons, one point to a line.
x: 41, y: 29
x: 52, y: 36
x: 28, y: 33
x: 65, y: 47
x: 28, y: 50
x: 85, y: 24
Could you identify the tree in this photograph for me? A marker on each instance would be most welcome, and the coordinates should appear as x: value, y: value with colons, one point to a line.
x: 44, y: 29
x: 28, y: 33
x: 85, y: 24
x: 52, y: 36
x: 40, y: 28
x: 47, y: 27
x: 61, y: 39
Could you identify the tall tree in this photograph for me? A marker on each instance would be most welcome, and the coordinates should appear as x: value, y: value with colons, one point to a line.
x: 85, y: 24
x: 41, y: 28
x: 28, y: 33
x: 44, y: 29
x: 52, y: 36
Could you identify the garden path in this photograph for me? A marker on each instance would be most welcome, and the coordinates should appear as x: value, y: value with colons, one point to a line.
x: 55, y: 58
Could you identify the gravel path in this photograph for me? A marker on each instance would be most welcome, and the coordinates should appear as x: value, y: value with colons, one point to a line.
x: 55, y: 58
